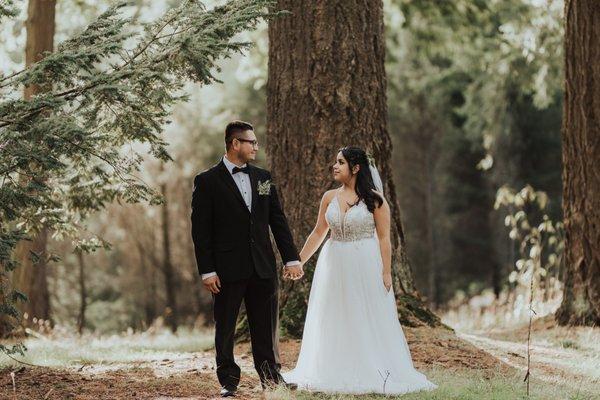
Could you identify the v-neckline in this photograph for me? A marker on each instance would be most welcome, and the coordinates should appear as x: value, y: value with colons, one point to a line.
x: 343, y: 217
x: 340, y: 206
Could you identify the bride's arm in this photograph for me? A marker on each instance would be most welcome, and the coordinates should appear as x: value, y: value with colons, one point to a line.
x: 319, y: 232
x: 382, y: 225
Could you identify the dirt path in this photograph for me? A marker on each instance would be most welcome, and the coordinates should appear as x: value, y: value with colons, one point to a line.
x: 549, y: 362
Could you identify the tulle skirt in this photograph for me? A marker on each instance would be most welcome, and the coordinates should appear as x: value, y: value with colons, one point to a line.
x: 352, y: 341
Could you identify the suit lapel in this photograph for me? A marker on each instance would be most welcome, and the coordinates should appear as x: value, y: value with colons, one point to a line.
x: 254, y: 184
x: 228, y: 179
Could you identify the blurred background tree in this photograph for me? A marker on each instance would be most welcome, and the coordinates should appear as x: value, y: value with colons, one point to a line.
x: 474, y: 104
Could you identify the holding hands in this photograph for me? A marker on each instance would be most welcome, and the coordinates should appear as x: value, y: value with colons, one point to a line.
x: 293, y: 272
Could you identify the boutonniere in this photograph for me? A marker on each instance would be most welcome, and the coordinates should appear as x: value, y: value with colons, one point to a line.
x: 264, y: 188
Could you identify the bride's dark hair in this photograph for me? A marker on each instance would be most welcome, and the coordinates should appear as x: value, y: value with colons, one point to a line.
x: 364, y: 181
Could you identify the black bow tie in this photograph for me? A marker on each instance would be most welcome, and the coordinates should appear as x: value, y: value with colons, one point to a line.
x: 238, y: 169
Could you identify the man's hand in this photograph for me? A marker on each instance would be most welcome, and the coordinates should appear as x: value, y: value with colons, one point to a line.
x: 212, y: 284
x: 293, y: 272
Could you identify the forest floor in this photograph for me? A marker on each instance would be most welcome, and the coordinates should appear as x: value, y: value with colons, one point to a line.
x: 475, y: 365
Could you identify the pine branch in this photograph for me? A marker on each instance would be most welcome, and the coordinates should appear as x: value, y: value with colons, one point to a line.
x: 7, y: 9
x: 103, y: 95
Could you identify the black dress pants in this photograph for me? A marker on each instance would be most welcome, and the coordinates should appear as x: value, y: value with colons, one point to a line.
x: 261, y: 300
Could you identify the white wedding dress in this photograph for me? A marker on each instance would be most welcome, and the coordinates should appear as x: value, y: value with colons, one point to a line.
x: 352, y: 340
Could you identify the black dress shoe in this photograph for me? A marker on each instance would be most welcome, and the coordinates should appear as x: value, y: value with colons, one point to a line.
x: 273, y: 384
x: 290, y: 385
x: 227, y: 391
x: 282, y: 382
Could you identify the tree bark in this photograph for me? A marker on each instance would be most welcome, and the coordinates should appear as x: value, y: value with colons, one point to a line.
x: 148, y: 275
x: 82, y: 293
x: 167, y: 267
x: 327, y: 89
x: 581, y: 165
x: 29, y: 278
x: 433, y: 276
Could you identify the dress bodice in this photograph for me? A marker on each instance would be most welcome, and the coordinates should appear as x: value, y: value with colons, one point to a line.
x: 355, y: 224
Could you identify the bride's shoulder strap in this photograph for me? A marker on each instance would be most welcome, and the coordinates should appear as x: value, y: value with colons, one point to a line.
x: 330, y: 194
x: 327, y: 197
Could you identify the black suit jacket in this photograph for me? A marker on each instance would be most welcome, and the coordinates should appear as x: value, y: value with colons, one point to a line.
x: 228, y: 238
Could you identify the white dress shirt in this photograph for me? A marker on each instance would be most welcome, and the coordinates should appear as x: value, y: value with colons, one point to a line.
x: 242, y: 181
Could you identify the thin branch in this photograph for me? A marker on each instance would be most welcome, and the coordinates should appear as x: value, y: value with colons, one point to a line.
x: 153, y: 39
x: 21, y: 362
x: 74, y: 92
x: 13, y: 75
x: 119, y: 171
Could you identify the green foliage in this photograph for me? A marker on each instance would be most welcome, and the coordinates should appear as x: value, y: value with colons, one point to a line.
x: 18, y: 348
x: 108, y: 92
x: 474, y: 101
x: 541, y: 241
x: 474, y: 59
x: 7, y: 9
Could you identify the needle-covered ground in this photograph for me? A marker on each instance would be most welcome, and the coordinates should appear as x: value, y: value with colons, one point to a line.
x: 565, y: 364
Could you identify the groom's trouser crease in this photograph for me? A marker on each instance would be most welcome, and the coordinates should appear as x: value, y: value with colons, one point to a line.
x: 260, y: 298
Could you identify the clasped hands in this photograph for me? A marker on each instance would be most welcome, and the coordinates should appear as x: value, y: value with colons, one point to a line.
x: 293, y: 272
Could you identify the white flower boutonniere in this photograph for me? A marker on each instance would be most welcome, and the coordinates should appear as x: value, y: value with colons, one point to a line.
x: 264, y: 188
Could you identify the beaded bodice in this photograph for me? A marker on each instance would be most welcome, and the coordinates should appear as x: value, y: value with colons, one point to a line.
x: 355, y: 224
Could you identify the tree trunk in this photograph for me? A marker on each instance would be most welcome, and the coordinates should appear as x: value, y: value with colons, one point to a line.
x: 148, y: 275
x: 167, y: 268
x: 581, y: 163
x: 31, y: 278
x: 82, y: 293
x: 327, y: 89
x: 434, y: 276
x: 40, y: 36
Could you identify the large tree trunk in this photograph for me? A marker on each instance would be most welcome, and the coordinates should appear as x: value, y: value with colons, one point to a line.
x: 31, y: 278
x: 326, y: 89
x: 581, y: 164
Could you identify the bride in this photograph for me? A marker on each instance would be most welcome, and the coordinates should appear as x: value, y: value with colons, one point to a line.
x: 352, y: 340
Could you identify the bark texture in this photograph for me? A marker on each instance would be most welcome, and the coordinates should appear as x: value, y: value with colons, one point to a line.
x: 327, y: 89
x: 31, y: 278
x: 82, y: 293
x: 169, y: 274
x: 581, y: 164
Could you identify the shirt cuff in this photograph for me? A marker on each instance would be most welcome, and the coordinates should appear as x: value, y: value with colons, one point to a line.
x: 208, y: 275
x: 292, y: 263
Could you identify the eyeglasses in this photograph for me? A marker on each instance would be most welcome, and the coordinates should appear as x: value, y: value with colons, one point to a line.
x: 254, y: 143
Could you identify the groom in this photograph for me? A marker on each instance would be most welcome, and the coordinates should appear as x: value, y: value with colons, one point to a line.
x: 233, y: 205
